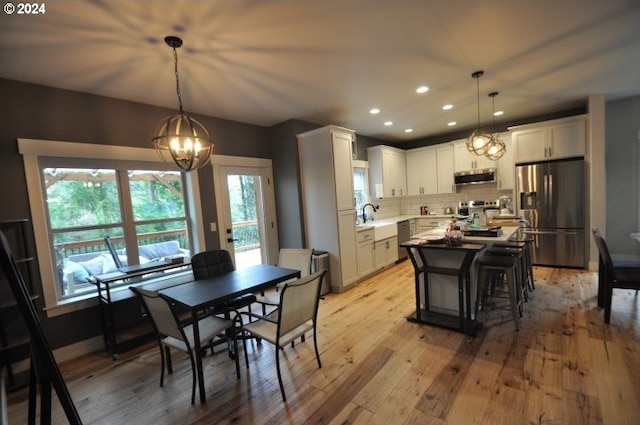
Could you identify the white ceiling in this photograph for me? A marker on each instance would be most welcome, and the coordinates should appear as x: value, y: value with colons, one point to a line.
x: 330, y: 61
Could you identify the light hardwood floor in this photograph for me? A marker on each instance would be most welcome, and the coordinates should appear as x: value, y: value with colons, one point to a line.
x: 564, y: 366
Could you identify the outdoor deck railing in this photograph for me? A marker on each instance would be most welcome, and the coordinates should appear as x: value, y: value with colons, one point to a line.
x: 246, y: 233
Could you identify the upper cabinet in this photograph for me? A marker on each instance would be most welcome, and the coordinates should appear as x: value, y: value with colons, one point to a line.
x: 556, y: 139
x: 465, y: 160
x: 505, y: 165
x: 387, y: 172
x: 422, y: 171
x: 343, y: 169
x: 445, y: 159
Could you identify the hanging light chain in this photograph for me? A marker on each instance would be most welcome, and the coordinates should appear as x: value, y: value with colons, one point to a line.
x: 175, y: 64
x: 493, y: 98
x: 479, y: 74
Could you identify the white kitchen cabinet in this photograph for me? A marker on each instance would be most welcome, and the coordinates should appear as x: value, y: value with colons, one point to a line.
x: 385, y: 252
x: 422, y: 171
x: 343, y: 169
x: 366, y: 264
x: 506, y: 165
x: 445, y: 160
x: 425, y: 224
x: 387, y: 172
x: 327, y: 199
x: 465, y: 160
x: 347, y: 243
x: 556, y: 139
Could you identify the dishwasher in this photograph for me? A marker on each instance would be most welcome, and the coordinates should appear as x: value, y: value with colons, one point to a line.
x: 404, y: 235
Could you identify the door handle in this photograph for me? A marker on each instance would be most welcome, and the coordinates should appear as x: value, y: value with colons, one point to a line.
x: 231, y: 240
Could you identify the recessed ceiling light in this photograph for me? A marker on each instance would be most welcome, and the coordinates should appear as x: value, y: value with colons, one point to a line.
x: 374, y: 111
x: 452, y: 123
x: 498, y: 113
x: 408, y: 130
x: 422, y: 89
x: 388, y: 123
x: 447, y: 107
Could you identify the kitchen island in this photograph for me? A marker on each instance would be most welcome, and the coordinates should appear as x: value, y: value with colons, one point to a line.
x: 446, y: 278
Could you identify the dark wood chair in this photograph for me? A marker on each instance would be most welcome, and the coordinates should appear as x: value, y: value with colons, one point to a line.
x: 623, y: 273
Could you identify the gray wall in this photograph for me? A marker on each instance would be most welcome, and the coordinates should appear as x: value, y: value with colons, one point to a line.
x: 286, y: 175
x: 623, y: 174
x: 39, y: 112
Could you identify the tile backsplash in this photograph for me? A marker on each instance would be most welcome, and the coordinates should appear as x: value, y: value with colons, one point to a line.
x: 410, y: 205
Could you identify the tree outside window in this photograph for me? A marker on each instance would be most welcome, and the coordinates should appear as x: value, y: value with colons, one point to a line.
x: 142, y: 211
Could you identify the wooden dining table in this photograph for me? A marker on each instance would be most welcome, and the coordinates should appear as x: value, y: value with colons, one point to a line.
x: 201, y: 294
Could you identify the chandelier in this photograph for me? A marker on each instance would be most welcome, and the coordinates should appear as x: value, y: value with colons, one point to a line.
x: 497, y: 148
x: 478, y: 142
x: 180, y: 139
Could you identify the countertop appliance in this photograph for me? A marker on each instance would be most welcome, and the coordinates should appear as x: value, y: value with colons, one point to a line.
x: 550, y: 198
x: 404, y: 235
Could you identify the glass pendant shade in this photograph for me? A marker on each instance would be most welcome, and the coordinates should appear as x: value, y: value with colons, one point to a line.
x: 496, y: 149
x: 183, y: 141
x: 180, y: 139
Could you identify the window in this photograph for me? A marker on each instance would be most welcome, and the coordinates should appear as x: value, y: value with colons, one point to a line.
x: 84, y: 206
x: 361, y: 183
x: 80, y: 193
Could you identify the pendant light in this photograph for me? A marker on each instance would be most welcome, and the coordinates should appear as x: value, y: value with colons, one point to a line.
x: 478, y: 142
x: 497, y: 148
x: 180, y: 139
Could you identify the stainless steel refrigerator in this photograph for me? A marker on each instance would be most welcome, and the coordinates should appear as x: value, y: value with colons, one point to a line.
x: 551, y: 198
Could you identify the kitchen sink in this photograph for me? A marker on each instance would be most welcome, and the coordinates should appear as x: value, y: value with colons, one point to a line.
x: 384, y: 231
x: 381, y: 230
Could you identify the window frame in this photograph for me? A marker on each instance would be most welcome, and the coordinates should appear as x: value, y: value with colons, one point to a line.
x: 361, y: 167
x: 32, y: 150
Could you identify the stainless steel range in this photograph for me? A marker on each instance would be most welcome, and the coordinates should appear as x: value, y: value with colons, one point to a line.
x: 477, y: 206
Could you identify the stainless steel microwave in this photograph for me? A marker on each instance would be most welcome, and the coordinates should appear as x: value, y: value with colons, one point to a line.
x: 487, y: 175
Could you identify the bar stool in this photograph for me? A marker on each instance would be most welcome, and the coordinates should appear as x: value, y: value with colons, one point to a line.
x: 519, y: 249
x: 528, y: 241
x: 492, y: 269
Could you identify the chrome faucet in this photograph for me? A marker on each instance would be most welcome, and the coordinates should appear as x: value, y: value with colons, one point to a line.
x: 364, y: 216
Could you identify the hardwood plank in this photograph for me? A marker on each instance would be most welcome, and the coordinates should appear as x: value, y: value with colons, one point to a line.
x: 564, y: 366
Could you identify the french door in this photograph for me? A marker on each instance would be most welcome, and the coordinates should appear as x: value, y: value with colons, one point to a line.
x: 246, y: 209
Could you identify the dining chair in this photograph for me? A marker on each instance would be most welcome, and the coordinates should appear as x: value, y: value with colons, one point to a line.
x: 297, y: 313
x: 171, y: 332
x: 213, y: 263
x: 291, y: 258
x: 621, y: 273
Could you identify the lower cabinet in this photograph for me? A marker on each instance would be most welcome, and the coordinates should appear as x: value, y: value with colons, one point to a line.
x: 386, y: 252
x: 366, y: 263
x: 426, y: 224
x: 347, y: 246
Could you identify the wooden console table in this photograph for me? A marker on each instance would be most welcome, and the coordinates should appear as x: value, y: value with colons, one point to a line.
x: 464, y: 322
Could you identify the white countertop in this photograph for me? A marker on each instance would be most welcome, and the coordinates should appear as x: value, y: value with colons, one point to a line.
x: 507, y: 232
